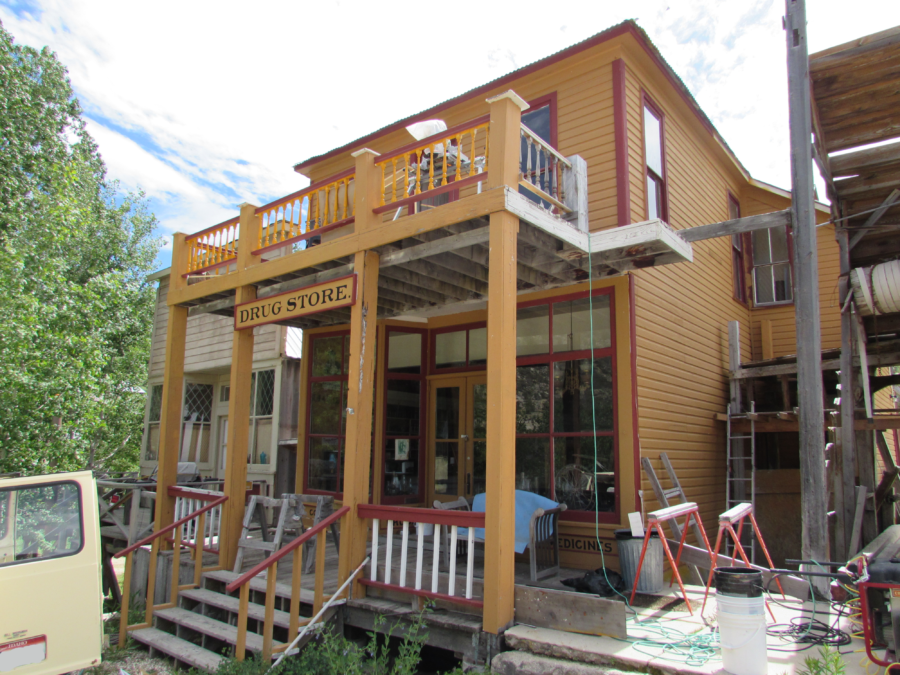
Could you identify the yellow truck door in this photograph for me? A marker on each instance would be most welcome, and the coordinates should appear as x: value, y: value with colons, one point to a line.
x: 50, y: 598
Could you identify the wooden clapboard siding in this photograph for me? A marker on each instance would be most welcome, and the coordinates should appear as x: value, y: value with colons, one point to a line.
x: 682, y: 311
x: 208, y: 339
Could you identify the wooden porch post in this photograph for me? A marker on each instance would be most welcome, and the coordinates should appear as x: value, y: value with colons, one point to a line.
x: 238, y: 436
x: 173, y: 389
x: 500, y: 506
x: 361, y: 377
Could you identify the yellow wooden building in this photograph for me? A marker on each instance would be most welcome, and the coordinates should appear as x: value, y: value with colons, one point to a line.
x: 509, y: 300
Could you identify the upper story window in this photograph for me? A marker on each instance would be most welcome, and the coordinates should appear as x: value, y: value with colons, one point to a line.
x: 737, y: 254
x: 771, y: 266
x: 539, y: 118
x: 654, y: 162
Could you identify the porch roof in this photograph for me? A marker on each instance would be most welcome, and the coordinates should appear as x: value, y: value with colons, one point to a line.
x: 447, y: 268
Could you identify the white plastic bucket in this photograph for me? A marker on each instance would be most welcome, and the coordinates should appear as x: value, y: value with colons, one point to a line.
x: 742, y: 634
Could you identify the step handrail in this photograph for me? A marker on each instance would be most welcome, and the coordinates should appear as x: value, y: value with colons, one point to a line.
x: 155, y: 540
x: 271, y: 564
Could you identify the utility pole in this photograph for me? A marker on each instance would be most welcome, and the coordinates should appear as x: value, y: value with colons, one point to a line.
x: 813, y: 492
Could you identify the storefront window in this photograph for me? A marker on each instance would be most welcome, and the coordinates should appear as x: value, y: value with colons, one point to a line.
x: 562, y: 407
x: 404, y: 403
x: 327, y: 420
x: 466, y: 348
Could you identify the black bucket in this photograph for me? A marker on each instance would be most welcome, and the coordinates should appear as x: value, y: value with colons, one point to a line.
x: 739, y: 582
x: 625, y: 534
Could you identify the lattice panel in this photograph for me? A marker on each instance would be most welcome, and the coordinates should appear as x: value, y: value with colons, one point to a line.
x: 198, y: 399
x: 265, y: 392
x: 155, y: 402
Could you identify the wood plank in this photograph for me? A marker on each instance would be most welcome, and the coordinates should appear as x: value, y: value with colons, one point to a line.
x: 442, y: 245
x: 691, y: 555
x: 207, y: 626
x: 874, y: 217
x: 728, y: 227
x: 863, y: 160
x: 570, y: 612
x: 177, y: 648
x: 232, y: 604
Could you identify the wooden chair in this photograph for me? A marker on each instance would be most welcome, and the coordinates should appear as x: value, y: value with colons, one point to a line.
x: 458, y: 505
x: 543, y: 544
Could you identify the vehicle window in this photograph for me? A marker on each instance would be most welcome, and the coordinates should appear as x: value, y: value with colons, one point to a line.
x: 47, y: 522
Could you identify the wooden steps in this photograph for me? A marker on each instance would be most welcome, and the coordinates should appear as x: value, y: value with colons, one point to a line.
x: 230, y: 603
x: 258, y: 584
x: 178, y: 649
x: 200, y: 629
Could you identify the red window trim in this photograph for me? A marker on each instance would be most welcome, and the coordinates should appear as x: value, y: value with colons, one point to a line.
x: 422, y: 378
x: 648, y: 102
x: 551, y: 357
x: 310, y: 379
x: 739, y: 257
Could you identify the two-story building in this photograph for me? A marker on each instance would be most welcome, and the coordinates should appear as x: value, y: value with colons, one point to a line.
x: 512, y: 300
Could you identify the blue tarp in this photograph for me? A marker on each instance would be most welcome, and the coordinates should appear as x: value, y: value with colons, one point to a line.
x: 526, y: 504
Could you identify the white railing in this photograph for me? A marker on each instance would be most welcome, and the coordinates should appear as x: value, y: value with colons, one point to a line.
x: 394, y: 516
x: 185, y: 504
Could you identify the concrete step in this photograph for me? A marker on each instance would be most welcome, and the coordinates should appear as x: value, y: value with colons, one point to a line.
x: 211, y: 627
x: 230, y: 603
x: 259, y: 584
x: 181, y: 650
x: 523, y: 663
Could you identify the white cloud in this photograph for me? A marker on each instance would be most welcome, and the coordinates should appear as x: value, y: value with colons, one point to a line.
x: 206, y: 105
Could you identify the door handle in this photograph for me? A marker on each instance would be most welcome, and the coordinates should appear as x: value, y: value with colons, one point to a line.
x: 464, y: 437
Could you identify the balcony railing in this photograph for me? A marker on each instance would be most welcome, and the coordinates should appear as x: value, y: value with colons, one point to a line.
x: 312, y: 211
x: 213, y: 247
x: 448, y: 161
x: 437, y: 164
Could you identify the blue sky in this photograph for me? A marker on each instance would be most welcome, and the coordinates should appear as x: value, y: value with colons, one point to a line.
x: 207, y: 105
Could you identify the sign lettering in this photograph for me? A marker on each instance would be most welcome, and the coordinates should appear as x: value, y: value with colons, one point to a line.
x: 292, y: 304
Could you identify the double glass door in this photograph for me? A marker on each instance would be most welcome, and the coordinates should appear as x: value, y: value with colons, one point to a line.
x: 458, y: 430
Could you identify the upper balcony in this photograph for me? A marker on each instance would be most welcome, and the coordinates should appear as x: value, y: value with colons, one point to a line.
x: 429, y: 202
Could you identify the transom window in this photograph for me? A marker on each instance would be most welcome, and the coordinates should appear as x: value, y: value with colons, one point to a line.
x: 327, y: 421
x: 565, y: 421
x: 772, y: 283
x: 460, y: 348
x: 654, y: 156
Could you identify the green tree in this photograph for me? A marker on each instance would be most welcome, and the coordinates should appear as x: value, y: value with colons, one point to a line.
x: 75, y: 307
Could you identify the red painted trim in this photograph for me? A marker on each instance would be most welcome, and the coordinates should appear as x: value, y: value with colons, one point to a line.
x: 306, y: 235
x: 434, y: 138
x: 288, y: 548
x: 423, y: 593
x: 209, y: 267
x: 231, y: 221
x: 625, y: 28
x: 635, y: 414
x: 454, y: 185
x: 410, y: 514
x: 664, y: 197
x: 312, y: 187
x: 350, y: 302
x: 620, y: 120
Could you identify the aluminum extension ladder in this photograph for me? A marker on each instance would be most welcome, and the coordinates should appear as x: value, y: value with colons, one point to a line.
x: 737, y: 468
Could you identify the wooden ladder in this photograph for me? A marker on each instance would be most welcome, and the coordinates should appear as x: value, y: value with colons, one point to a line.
x: 663, y: 497
x: 257, y: 506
